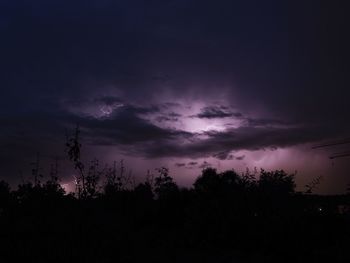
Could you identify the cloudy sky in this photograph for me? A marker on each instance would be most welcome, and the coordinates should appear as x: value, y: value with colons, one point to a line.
x: 178, y: 83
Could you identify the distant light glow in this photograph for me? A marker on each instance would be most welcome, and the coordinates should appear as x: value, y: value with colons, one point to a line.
x: 107, y: 110
x: 188, y: 120
x: 68, y: 187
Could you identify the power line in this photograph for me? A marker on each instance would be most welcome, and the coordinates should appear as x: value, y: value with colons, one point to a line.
x: 334, y: 143
x: 339, y: 155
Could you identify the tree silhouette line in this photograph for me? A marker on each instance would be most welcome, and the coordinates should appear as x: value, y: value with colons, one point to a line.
x: 224, y: 217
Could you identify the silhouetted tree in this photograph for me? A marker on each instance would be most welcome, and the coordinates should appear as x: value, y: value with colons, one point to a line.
x: 4, y: 194
x: 313, y: 184
x: 37, y: 176
x: 164, y: 186
x: 276, y: 182
x: 248, y: 179
x: 26, y: 191
x: 143, y: 191
x: 208, y: 182
x: 92, y: 179
x: 231, y: 182
x: 54, y: 170
x: 52, y: 188
x: 74, y: 153
x: 115, y: 181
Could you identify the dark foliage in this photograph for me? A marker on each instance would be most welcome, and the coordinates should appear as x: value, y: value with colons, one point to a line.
x: 164, y: 187
x: 225, y: 217
x: 276, y: 183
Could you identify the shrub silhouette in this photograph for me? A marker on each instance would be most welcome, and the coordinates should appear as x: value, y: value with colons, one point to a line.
x: 276, y: 182
x: 164, y: 186
x: 92, y: 179
x: 226, y: 183
x: 209, y: 182
x: 53, y: 189
x: 312, y: 185
x: 73, y: 147
x: 115, y: 182
x: 225, y: 214
x: 224, y: 217
x: 5, y: 194
x: 143, y: 191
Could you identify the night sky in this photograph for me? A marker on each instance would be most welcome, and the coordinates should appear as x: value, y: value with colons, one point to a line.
x: 184, y: 84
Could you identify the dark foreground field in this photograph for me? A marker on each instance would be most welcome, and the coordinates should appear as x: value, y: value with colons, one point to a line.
x: 223, y: 218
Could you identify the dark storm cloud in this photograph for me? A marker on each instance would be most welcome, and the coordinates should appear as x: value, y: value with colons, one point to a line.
x: 288, y: 58
x: 126, y: 127
x: 220, y: 143
x: 134, y: 135
x: 227, y: 156
x: 109, y: 100
x: 143, y: 110
x: 240, y: 158
x: 171, y: 105
x: 204, y: 165
x: 172, y: 117
x: 166, y: 118
x: 123, y: 126
x: 212, y: 112
x: 268, y: 122
x: 282, y: 64
x: 223, y: 155
x: 63, y: 48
